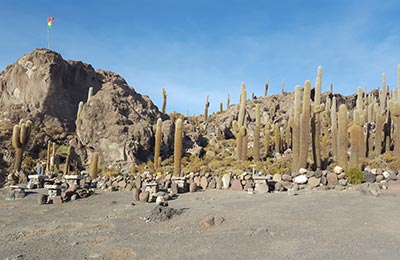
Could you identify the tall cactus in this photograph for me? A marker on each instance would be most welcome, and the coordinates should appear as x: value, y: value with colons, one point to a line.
x: 256, y: 147
x: 53, y: 157
x: 242, y: 105
x: 157, y: 148
x: 178, y: 147
x: 207, y: 105
x: 48, y: 156
x: 334, y: 129
x: 394, y: 107
x: 296, y: 129
x: 228, y: 102
x: 164, y: 105
x: 316, y: 124
x: 266, y: 88
x: 20, y: 138
x: 267, y: 135
x: 342, y: 137
x: 221, y: 107
x: 80, y: 106
x: 305, y: 125
x: 243, y: 133
x: 277, y: 138
x: 94, y: 165
x: 356, y: 143
x: 283, y: 87
x: 380, y: 120
x: 67, y: 161
x: 90, y: 94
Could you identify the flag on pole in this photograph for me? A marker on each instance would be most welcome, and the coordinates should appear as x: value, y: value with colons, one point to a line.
x: 50, y: 21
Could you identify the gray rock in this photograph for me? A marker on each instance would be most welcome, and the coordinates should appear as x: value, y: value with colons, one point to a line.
x: 343, y: 182
x: 212, y: 184
x: 144, y: 196
x: 369, y: 177
x: 332, y: 179
x: 313, y: 182
x: 226, y: 179
x: 379, y: 178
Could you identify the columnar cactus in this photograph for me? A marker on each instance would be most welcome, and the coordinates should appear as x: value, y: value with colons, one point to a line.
x: 178, y: 147
x: 380, y: 120
x: 342, y: 137
x: 164, y: 105
x: 90, y: 94
x: 256, y: 147
x: 20, y: 138
x: 94, y: 165
x: 277, y: 138
x: 157, y: 148
x: 316, y: 126
x: 207, y: 105
x: 383, y: 93
x: 387, y: 131
x: 67, y: 161
x: 228, y: 102
x: 394, y: 107
x: 53, y: 157
x: 305, y: 125
x: 48, y: 156
x: 283, y: 87
x: 221, y: 107
x: 80, y: 106
x: 356, y: 143
x: 243, y: 133
x: 267, y: 135
x: 266, y: 88
x: 334, y: 129
x: 296, y: 129
x: 242, y: 105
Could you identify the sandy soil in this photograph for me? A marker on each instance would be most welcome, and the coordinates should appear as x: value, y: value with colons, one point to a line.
x: 314, y: 225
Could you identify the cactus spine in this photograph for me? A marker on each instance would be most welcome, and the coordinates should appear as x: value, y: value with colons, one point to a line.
x: 207, y: 105
x: 164, y: 105
x: 178, y: 147
x: 305, y: 125
x: 342, y: 137
x: 157, y: 148
x: 256, y: 146
x: 94, y: 165
x: 20, y: 138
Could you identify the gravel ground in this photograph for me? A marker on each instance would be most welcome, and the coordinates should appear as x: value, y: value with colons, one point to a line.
x: 313, y: 225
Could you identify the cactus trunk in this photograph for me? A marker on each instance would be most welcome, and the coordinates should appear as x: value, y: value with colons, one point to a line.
x: 178, y: 147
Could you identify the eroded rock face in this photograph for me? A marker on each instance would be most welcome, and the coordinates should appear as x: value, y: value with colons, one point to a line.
x: 118, y: 123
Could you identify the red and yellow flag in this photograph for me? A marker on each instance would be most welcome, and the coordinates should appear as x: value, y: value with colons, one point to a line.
x: 50, y: 21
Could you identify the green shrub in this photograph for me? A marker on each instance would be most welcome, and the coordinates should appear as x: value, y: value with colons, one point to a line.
x: 355, y: 176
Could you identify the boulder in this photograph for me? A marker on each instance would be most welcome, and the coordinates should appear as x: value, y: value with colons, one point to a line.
x: 236, y: 185
x: 226, y: 179
x: 301, y: 179
x: 332, y: 179
x: 314, y: 182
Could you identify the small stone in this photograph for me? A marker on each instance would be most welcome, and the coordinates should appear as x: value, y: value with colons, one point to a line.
x: 74, y: 197
x: 248, y: 185
x: 136, y: 193
x: 292, y: 192
x: 287, y: 185
x: 261, y: 187
x: 386, y: 174
x: 324, y: 180
x: 161, y: 201
x: 277, y: 177
x: 374, y: 189
x: 314, y: 182
x: 236, y: 185
x: 338, y: 170
x: 302, y: 171
x: 343, y: 182
x: 318, y: 174
x: 301, y: 179
x: 197, y: 180
x: 122, y: 184
x: 204, y: 182
x: 332, y: 179
x: 192, y: 187
x: 219, y: 220
x: 174, y: 188
x: 212, y: 184
x: 369, y: 177
x: 278, y: 186
x: 144, y: 196
x: 374, y: 171
x: 310, y: 174
x: 207, y: 222
x: 379, y: 178
x: 286, y: 177
x: 226, y: 179
x: 218, y: 183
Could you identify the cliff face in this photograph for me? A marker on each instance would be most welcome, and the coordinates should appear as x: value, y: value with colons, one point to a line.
x: 45, y: 88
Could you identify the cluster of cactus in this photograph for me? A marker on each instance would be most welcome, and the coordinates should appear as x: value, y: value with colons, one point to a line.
x: 20, y: 138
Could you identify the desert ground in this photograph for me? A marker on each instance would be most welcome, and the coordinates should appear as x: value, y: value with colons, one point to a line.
x: 310, y: 225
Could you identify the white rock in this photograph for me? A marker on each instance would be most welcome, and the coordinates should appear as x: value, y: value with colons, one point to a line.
x: 301, y: 179
x: 226, y: 179
x: 374, y: 171
x: 302, y: 171
x: 386, y: 174
x: 338, y: 170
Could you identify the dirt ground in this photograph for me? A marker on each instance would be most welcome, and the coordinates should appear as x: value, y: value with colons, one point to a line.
x: 311, y: 225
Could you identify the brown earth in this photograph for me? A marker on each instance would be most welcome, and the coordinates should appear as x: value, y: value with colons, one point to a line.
x: 312, y: 225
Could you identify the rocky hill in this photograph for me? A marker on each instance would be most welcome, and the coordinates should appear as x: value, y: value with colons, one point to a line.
x: 117, y: 122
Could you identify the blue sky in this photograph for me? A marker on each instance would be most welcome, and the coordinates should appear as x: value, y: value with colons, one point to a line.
x: 205, y: 47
